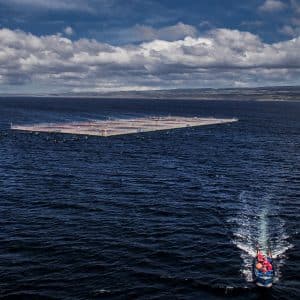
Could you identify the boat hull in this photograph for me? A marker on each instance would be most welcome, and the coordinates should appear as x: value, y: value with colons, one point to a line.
x: 263, y: 280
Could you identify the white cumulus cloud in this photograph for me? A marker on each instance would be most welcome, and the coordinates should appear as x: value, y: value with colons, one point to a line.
x: 170, y: 33
x: 272, y: 6
x: 65, y: 5
x: 220, y: 57
x: 69, y: 30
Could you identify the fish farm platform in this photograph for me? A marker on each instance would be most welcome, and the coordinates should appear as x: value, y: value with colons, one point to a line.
x: 113, y: 127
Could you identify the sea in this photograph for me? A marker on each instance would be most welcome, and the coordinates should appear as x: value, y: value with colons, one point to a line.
x: 160, y: 215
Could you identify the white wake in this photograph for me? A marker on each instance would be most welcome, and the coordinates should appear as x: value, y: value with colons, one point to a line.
x: 257, y: 223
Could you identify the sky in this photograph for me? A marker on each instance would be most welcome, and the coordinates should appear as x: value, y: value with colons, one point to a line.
x: 61, y: 46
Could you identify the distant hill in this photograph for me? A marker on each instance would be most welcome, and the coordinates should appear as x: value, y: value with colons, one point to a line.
x: 262, y: 93
x: 285, y: 93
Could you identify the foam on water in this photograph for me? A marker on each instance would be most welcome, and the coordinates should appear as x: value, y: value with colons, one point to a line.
x: 258, y: 223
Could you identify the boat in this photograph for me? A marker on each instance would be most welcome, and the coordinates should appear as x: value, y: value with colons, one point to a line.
x: 263, y: 279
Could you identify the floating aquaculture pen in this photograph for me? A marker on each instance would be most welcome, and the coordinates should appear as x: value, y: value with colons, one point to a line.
x: 110, y: 127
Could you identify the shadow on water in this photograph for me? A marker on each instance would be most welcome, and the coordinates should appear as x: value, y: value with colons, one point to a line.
x: 226, y: 292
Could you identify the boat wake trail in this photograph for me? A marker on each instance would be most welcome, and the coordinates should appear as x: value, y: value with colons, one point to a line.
x: 258, y: 223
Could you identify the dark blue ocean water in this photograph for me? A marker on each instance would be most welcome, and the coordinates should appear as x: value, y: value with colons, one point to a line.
x: 160, y: 215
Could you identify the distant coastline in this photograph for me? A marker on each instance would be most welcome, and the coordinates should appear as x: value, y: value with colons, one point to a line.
x: 282, y: 93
